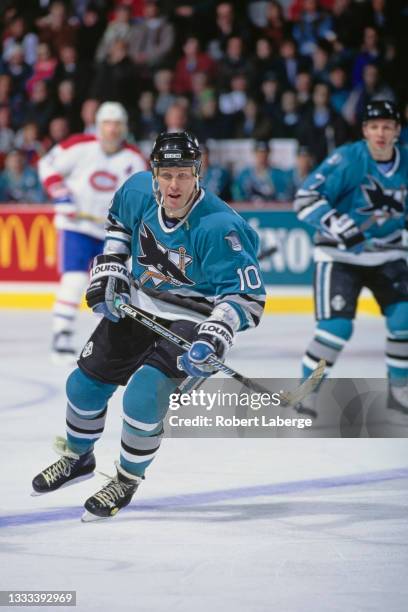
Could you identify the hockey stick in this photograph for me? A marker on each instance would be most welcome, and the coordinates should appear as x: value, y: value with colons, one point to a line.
x: 267, y: 252
x: 286, y: 397
x: 375, y: 248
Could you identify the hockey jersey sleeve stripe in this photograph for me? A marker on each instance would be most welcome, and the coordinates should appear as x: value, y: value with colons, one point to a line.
x: 249, y: 308
x: 51, y: 181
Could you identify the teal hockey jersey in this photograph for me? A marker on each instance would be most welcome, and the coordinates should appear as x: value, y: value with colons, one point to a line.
x: 208, y: 257
x: 374, y: 195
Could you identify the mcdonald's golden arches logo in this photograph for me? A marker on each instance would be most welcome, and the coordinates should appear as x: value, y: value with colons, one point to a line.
x: 27, y: 240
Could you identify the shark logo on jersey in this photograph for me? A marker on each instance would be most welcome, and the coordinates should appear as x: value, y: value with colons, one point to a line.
x: 163, y: 265
x: 381, y: 201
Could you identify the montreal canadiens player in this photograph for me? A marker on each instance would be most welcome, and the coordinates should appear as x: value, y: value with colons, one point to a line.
x: 194, y: 267
x: 81, y: 175
x: 357, y: 201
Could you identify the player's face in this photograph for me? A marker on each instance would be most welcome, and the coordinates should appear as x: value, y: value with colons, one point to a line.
x: 111, y: 135
x: 380, y: 135
x: 176, y: 186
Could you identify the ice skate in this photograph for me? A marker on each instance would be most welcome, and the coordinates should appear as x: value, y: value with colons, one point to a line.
x: 114, y: 496
x: 69, y: 469
x: 62, y: 351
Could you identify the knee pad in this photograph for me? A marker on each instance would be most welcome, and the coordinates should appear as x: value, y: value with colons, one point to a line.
x: 397, y: 320
x: 86, y: 394
x: 146, y: 399
x: 334, y: 332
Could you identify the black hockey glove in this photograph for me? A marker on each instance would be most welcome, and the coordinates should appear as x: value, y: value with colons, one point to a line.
x: 109, y: 281
x: 344, y: 230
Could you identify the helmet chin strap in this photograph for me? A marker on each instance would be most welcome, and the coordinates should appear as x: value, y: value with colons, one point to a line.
x: 179, y: 212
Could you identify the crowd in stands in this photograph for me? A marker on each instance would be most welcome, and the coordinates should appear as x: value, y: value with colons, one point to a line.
x: 253, y: 69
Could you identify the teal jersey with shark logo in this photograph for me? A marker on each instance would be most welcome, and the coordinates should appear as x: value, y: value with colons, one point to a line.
x: 373, y: 194
x: 208, y: 257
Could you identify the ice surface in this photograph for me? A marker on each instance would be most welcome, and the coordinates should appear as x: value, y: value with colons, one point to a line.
x: 231, y: 525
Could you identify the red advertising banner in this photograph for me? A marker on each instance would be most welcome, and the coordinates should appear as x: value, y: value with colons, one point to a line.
x: 28, y: 243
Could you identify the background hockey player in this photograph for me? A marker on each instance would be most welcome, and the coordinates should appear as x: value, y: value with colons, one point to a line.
x: 191, y: 254
x: 357, y: 201
x: 81, y: 175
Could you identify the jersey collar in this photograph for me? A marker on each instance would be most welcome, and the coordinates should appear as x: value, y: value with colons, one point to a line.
x: 169, y: 230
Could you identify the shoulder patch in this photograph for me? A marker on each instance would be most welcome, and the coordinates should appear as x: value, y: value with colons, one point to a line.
x: 334, y: 159
x: 233, y: 240
x: 77, y: 139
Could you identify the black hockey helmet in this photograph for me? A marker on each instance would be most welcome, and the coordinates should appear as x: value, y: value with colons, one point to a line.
x: 381, y: 109
x: 176, y: 149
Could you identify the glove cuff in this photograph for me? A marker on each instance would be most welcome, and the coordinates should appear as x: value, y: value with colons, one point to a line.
x: 109, y: 265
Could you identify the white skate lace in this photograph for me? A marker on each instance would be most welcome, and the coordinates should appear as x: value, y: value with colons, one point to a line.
x: 61, y: 468
x: 111, y: 492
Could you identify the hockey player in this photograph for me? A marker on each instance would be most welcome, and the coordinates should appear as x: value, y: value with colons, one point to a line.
x: 357, y: 201
x: 191, y: 254
x: 81, y: 175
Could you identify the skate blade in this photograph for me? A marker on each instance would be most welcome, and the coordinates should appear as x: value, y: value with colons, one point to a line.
x: 64, y: 486
x: 88, y: 517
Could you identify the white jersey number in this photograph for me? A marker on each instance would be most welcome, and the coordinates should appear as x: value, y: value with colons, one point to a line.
x: 249, y: 278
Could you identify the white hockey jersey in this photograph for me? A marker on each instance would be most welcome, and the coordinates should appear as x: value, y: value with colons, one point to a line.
x: 79, y: 171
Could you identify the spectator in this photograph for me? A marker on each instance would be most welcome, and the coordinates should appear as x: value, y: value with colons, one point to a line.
x: 311, y: 26
x: 89, y: 34
x: 252, y: 123
x: 67, y: 106
x: 19, y: 182
x: 346, y: 23
x: 288, y: 117
x: 372, y: 88
x: 163, y: 84
x: 233, y: 63
x: 210, y: 124
x: 261, y: 182
x: 370, y: 53
x: 321, y: 129
x: 175, y: 119
x: 40, y: 108
x: 339, y: 90
x: 73, y: 69
x: 56, y: 29
x: 303, y: 88
x: 57, y: 132
x: 118, y: 29
x: 88, y: 115
x: 201, y: 92
x: 270, y: 95
x: 147, y: 124
x: 151, y: 40
x: 276, y: 28
x: 28, y: 142
x: 234, y: 99
x: 304, y: 166
x: 16, y: 33
x: 44, y: 68
x: 6, y: 133
x: 116, y: 78
x: 193, y: 61
x: 289, y: 63
x: 321, y: 61
x: 226, y: 26
x: 261, y: 63
x: 214, y: 177
x: 17, y: 69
